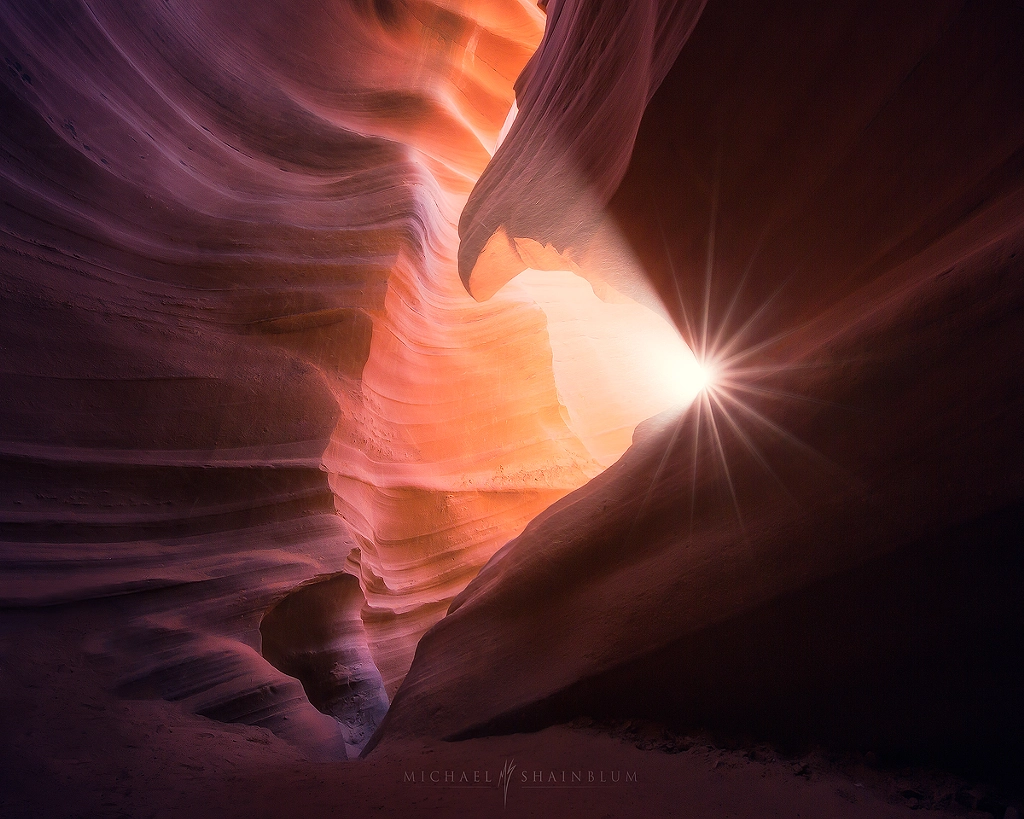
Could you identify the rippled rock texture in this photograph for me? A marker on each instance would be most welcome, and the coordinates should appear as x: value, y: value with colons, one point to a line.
x: 241, y: 370
x: 304, y: 324
x: 236, y: 356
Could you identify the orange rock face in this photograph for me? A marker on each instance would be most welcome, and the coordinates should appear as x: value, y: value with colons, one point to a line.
x: 473, y: 418
x: 322, y: 320
x: 237, y: 350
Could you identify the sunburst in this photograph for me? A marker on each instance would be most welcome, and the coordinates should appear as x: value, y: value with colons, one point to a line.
x: 729, y: 380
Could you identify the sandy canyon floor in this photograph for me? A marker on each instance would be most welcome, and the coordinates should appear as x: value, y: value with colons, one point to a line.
x: 73, y: 749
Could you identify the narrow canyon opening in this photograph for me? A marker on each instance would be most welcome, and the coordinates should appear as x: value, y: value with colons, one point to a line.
x: 346, y: 399
x: 469, y: 418
x: 470, y: 429
x: 316, y: 634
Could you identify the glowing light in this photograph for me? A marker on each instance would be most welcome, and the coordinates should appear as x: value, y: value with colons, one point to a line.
x: 616, y: 363
x: 704, y: 377
x: 673, y: 363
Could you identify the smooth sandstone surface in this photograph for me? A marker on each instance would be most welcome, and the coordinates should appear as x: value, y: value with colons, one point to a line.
x: 338, y: 333
x: 227, y: 230
x: 237, y: 358
x: 828, y: 546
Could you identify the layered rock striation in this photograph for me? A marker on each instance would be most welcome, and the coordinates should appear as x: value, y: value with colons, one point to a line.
x: 214, y: 217
x: 311, y: 313
x: 242, y: 373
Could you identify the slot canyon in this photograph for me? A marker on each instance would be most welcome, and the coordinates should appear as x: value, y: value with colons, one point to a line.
x: 491, y: 407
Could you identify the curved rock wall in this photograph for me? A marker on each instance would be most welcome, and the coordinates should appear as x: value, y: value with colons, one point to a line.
x: 580, y: 101
x: 825, y: 547
x: 239, y: 365
x: 237, y: 353
x: 203, y: 205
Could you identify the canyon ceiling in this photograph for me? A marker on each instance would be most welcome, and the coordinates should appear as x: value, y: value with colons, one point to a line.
x: 342, y: 353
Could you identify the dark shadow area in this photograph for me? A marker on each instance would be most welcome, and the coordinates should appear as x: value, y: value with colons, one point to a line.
x: 316, y: 635
x: 914, y: 657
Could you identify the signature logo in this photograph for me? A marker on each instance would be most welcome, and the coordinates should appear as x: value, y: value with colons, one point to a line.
x: 527, y: 779
x: 504, y: 778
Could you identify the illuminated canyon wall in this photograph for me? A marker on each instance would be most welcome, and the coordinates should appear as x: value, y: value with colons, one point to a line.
x: 310, y: 336
x: 239, y: 360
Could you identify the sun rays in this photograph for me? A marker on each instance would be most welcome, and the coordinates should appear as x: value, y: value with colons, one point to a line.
x: 727, y: 417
